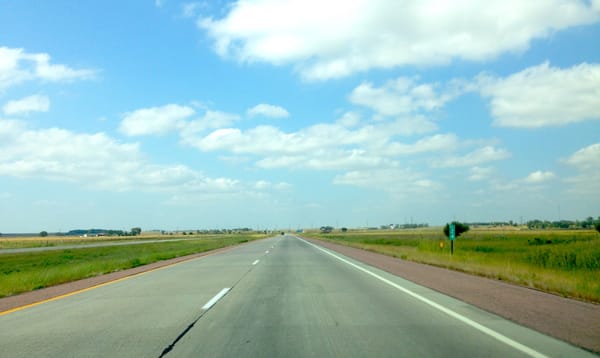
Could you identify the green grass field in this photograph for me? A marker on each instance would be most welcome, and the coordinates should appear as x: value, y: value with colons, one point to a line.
x: 50, y: 241
x: 565, y: 262
x: 24, y: 272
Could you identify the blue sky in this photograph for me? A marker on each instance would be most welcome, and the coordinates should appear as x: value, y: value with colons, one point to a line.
x: 275, y: 114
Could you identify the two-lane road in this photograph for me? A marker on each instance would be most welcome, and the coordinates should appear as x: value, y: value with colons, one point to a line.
x: 272, y: 298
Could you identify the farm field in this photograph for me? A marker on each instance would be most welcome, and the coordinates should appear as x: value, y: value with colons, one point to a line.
x: 564, y: 262
x: 23, y: 272
x: 54, y: 241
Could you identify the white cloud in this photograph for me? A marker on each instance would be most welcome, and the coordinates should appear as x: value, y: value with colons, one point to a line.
x: 18, y: 66
x: 173, y: 118
x: 327, y: 160
x: 155, y: 120
x: 402, y: 96
x: 587, y: 181
x: 100, y: 162
x: 312, y: 35
x: 586, y: 158
x: 317, y: 147
x: 319, y: 139
x: 266, y: 185
x: 436, y: 143
x: 349, y: 120
x: 543, y: 96
x: 268, y: 110
x: 337, y: 146
x: 191, y: 9
x: 479, y: 156
x: 538, y: 177
x: 480, y: 173
x: 393, y: 180
x: 34, y: 103
x: 210, y: 120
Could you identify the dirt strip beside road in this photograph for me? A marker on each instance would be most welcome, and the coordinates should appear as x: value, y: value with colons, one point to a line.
x: 570, y: 320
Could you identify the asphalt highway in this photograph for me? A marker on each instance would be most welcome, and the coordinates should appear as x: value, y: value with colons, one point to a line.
x: 278, y: 297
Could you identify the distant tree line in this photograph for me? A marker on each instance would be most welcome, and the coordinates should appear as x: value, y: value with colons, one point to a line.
x: 404, y: 226
x: 102, y: 232
x: 588, y: 223
x: 326, y: 229
x: 213, y: 231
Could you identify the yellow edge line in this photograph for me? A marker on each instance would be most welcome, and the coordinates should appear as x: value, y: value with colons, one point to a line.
x: 55, y: 298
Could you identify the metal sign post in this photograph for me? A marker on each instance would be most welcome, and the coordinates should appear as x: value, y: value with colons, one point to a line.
x: 452, y: 238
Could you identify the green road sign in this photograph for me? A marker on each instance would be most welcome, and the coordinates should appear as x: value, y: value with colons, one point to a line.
x: 452, y: 232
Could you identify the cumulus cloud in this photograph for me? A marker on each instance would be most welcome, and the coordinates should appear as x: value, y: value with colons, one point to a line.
x: 98, y: 161
x: 270, y: 140
x: 265, y: 185
x: 210, y: 120
x: 321, y: 44
x: 402, y: 96
x: 587, y: 162
x: 586, y: 158
x: 35, y: 103
x: 319, y: 147
x: 356, y: 149
x: 538, y: 177
x: 435, y: 143
x: 155, y: 120
x: 479, y: 156
x: 394, y: 180
x: 480, y: 173
x: 268, y: 110
x: 18, y: 66
x: 349, y: 120
x: 542, y: 96
x: 173, y: 118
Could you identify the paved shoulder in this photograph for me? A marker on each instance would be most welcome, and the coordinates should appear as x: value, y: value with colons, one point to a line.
x: 570, y: 320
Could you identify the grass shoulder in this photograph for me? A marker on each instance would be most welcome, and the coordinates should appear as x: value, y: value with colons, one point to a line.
x: 564, y: 262
x: 23, y: 272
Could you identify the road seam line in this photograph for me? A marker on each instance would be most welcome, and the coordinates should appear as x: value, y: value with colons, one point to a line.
x: 498, y: 336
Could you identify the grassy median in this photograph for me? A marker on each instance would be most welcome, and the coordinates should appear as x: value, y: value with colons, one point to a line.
x: 25, y: 272
x: 565, y: 262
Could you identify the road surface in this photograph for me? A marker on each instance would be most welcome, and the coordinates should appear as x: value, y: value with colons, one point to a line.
x: 278, y: 297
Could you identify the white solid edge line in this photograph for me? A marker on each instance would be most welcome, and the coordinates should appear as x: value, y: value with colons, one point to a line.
x: 217, y: 297
x: 255, y: 262
x: 500, y: 337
